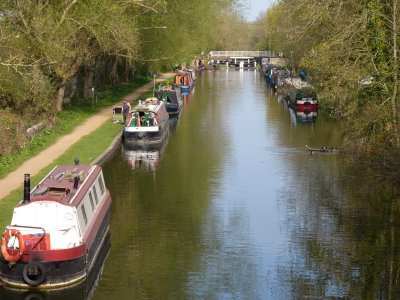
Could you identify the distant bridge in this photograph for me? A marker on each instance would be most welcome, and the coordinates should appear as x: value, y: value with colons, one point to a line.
x: 242, y: 54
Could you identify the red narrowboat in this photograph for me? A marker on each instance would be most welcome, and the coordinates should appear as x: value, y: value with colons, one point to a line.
x: 58, y: 231
x: 302, y: 97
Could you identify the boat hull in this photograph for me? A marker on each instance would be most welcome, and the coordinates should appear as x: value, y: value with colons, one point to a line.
x: 132, y: 139
x: 82, y: 290
x: 58, y: 274
x: 306, y: 106
x: 173, y: 110
x: 59, y: 271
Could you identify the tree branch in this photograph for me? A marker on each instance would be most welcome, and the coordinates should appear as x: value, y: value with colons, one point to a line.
x: 73, y: 2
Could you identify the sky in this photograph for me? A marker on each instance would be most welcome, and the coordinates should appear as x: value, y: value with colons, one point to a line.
x: 255, y: 6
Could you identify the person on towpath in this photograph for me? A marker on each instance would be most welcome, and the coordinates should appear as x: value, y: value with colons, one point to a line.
x: 126, y: 107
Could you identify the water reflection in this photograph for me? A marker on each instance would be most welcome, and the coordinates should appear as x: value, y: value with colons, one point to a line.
x: 144, y: 159
x: 297, y: 116
x: 343, y: 238
x: 303, y: 117
x: 75, y: 293
x: 238, y: 209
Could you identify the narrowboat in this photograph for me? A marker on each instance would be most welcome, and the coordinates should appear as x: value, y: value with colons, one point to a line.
x: 59, y: 231
x: 277, y: 78
x: 184, y: 80
x: 172, y: 98
x: 192, y: 74
x: 147, y: 123
x: 301, y: 96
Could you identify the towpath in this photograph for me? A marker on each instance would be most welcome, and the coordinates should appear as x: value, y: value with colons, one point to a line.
x: 34, y: 165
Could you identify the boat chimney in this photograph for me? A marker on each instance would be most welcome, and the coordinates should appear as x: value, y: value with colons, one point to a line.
x: 27, y: 188
x: 76, y: 182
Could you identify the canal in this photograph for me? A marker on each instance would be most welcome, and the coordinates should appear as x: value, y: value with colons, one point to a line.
x: 234, y: 207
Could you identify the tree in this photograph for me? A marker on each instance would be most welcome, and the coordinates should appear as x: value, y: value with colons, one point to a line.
x: 350, y: 49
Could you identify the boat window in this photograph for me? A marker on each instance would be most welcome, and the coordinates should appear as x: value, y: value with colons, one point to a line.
x: 95, y: 195
x: 84, y: 213
x: 101, y: 183
x: 91, y: 200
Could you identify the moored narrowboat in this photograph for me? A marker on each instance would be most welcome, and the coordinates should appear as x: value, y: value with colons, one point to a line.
x: 172, y: 98
x: 184, y: 80
x: 58, y: 231
x: 192, y: 74
x: 301, y: 96
x: 147, y: 123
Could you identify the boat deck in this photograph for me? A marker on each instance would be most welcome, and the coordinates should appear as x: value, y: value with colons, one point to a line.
x: 61, y: 184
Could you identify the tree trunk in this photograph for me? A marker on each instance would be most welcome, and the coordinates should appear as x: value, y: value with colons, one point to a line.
x: 88, y: 83
x: 395, y: 76
x: 60, y: 97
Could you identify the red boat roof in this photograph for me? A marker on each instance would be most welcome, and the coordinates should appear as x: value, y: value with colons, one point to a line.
x: 58, y: 185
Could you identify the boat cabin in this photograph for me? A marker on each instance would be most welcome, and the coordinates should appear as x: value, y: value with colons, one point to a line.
x: 145, y: 114
x: 58, y: 231
x: 147, y: 123
x: 61, y: 207
x: 183, y: 79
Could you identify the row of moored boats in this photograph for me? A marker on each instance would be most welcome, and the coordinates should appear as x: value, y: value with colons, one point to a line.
x: 61, y: 227
x: 300, y: 95
x: 147, y: 123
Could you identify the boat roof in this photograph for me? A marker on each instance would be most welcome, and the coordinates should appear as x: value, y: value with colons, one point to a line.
x: 297, y: 83
x: 150, y: 104
x: 171, y: 95
x: 58, y: 185
x: 183, y: 73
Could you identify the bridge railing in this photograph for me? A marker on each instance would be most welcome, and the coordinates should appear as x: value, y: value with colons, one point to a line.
x: 242, y: 53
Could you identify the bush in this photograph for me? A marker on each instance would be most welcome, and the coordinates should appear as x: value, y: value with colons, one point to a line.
x: 12, y: 133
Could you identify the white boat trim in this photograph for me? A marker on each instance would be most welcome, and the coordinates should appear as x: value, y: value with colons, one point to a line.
x: 142, y: 129
x: 45, y: 286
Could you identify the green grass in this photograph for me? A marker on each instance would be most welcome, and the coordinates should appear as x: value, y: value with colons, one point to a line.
x: 67, y: 121
x: 87, y: 149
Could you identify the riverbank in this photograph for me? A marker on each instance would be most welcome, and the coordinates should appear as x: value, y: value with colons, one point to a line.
x: 98, y: 132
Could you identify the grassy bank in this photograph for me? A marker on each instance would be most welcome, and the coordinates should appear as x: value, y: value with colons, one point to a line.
x: 67, y: 121
x: 87, y: 148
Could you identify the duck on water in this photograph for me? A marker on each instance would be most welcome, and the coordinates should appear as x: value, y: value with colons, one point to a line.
x: 58, y: 231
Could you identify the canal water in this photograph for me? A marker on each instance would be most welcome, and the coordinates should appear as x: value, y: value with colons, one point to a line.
x: 233, y: 206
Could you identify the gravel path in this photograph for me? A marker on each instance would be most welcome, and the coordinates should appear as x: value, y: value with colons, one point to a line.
x: 34, y: 165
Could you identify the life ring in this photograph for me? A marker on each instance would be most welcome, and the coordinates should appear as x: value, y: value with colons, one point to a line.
x: 4, y: 241
x: 34, y: 279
